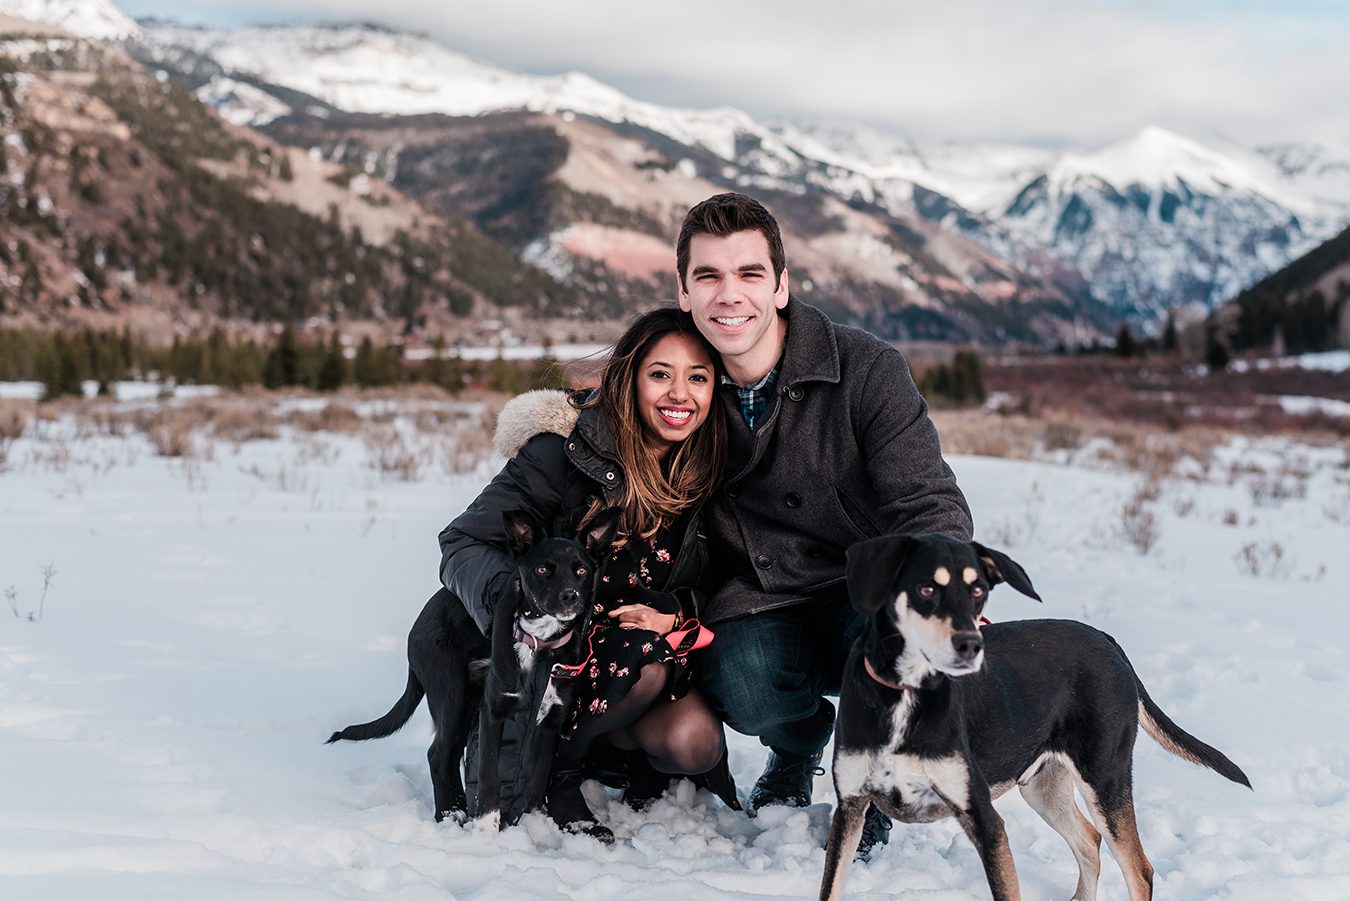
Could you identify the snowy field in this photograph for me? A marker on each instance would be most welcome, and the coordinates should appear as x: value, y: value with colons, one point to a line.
x: 179, y: 635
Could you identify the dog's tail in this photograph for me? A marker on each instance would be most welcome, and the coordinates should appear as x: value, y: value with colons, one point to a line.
x: 1178, y: 741
x: 391, y: 722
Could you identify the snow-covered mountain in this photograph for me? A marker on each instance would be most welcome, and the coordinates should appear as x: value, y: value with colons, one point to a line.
x: 370, y: 69
x: 97, y: 19
x: 1151, y: 222
x: 1160, y: 219
x: 1156, y: 220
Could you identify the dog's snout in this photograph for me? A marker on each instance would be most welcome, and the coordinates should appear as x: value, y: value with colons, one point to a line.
x: 569, y: 596
x: 968, y: 645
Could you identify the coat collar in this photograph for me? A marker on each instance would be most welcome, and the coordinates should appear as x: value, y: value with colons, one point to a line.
x: 812, y: 352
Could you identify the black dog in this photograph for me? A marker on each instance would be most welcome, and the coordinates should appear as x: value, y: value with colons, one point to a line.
x: 542, y: 623
x: 937, y: 717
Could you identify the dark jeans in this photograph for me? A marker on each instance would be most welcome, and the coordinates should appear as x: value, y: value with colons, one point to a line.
x: 766, y: 674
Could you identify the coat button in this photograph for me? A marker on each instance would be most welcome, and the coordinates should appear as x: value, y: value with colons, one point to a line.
x: 733, y: 491
x: 796, y: 392
x: 764, y: 561
x: 792, y: 499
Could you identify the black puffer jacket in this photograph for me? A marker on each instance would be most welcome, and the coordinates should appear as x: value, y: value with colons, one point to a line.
x: 560, y: 459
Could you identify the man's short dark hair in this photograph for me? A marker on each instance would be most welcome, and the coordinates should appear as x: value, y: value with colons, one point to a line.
x: 725, y: 214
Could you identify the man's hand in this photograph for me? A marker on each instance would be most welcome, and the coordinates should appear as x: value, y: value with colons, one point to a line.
x: 640, y: 616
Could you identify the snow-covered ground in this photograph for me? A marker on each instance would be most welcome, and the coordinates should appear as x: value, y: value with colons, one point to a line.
x: 179, y: 636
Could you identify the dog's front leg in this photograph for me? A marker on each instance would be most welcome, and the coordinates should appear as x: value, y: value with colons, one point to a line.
x: 845, y: 832
x: 984, y: 826
x: 500, y: 697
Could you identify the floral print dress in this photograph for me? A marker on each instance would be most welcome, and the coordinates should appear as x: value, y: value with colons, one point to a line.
x: 618, y: 655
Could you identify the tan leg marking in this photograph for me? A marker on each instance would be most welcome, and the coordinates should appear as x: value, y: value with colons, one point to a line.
x: 1050, y: 794
x: 1122, y: 836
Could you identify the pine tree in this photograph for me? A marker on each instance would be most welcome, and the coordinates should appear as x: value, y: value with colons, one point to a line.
x: 1125, y: 344
x: 333, y: 369
x: 363, y: 366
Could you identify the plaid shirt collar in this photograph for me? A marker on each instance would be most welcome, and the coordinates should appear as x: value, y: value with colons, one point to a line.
x: 754, y: 398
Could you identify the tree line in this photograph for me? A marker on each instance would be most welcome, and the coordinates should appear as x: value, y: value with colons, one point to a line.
x: 63, y: 361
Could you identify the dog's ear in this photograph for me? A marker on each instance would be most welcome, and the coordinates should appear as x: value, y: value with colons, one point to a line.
x: 999, y: 567
x: 873, y: 570
x: 601, y: 532
x: 523, y: 532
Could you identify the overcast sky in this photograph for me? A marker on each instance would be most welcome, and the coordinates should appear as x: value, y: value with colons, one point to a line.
x: 1045, y: 71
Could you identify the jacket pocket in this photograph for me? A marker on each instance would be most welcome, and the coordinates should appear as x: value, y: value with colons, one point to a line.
x: 856, y: 515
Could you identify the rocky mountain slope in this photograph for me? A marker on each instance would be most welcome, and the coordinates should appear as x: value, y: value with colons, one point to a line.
x: 125, y: 200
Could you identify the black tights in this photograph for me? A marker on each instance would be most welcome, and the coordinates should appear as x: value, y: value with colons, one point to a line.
x: 682, y: 737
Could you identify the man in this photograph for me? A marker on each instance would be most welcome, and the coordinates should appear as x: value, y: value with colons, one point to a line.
x: 830, y: 443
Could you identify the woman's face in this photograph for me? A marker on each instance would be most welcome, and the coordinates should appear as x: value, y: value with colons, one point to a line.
x: 674, y: 389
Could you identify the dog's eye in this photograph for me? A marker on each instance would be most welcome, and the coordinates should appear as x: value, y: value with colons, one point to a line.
x: 581, y: 571
x: 927, y: 591
x: 977, y: 592
x: 543, y: 569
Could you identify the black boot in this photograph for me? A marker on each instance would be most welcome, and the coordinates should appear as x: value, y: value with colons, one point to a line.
x: 718, y: 781
x: 786, y: 780
x: 568, y: 809
x: 876, y: 831
x: 645, y: 783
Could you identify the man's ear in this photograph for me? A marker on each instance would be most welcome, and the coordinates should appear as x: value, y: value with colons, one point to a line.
x: 872, y: 570
x: 601, y: 531
x: 783, y: 291
x: 999, y: 567
x: 682, y: 294
x: 523, y: 532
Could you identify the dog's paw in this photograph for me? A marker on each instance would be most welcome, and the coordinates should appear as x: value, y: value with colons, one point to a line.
x: 488, y: 822
x: 457, y: 817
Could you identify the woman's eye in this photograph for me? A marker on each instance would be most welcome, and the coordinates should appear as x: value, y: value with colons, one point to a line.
x: 698, y: 378
x: 659, y: 374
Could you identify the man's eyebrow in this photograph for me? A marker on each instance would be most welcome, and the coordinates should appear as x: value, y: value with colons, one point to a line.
x: 753, y: 267
x: 702, y: 270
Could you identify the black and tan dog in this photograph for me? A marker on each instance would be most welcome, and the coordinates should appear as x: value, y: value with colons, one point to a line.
x: 542, y: 624
x: 938, y: 717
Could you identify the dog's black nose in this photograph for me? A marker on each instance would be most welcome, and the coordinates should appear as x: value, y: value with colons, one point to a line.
x: 968, y: 644
x: 569, y: 596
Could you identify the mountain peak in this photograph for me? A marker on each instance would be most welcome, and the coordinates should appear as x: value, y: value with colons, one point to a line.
x: 1157, y: 158
x: 96, y: 19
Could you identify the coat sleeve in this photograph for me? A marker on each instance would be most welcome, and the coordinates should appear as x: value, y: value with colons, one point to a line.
x: 916, y: 491
x: 475, y: 565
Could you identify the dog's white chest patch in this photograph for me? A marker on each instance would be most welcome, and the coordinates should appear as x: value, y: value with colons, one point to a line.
x: 550, y: 700
x: 929, y: 787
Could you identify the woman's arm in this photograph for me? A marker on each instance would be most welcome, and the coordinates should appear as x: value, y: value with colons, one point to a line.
x: 475, y: 566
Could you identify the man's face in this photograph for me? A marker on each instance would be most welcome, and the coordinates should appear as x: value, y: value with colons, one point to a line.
x: 729, y: 289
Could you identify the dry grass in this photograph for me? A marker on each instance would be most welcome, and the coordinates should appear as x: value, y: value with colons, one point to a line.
x: 13, y: 424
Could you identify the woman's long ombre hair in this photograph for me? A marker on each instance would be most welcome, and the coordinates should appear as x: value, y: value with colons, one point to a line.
x: 657, y: 490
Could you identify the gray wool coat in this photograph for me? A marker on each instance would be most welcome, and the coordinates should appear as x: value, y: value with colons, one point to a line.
x: 845, y: 451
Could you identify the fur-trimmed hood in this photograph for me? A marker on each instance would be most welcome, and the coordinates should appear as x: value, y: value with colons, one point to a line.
x: 530, y: 414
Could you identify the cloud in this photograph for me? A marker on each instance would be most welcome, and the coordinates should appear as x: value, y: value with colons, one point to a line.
x: 1053, y: 71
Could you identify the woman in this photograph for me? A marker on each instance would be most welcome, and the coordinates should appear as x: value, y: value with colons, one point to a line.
x: 650, y: 441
